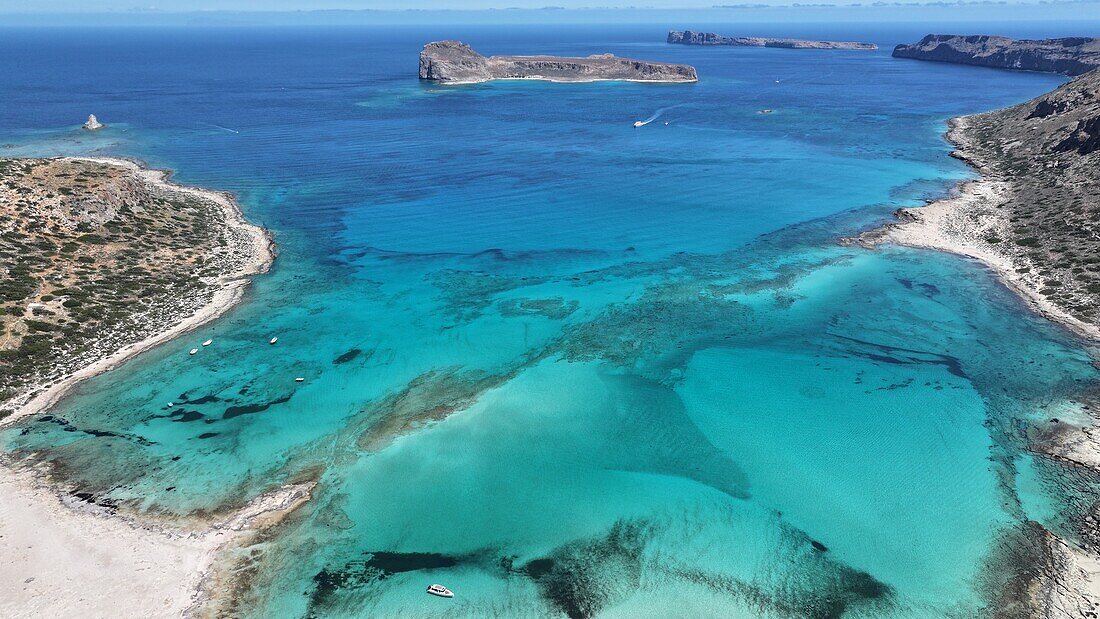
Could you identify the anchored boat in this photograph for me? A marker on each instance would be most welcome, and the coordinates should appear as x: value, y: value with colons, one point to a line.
x: 441, y: 591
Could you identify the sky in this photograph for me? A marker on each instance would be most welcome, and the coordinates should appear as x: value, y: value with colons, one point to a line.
x: 1083, y: 14
x: 98, y: 6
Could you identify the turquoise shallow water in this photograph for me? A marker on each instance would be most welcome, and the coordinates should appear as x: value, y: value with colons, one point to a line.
x: 558, y: 364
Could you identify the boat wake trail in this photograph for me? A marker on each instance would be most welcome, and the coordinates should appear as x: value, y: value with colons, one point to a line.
x: 657, y: 114
x: 222, y: 128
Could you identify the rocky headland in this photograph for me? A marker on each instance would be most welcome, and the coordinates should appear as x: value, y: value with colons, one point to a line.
x: 1068, y: 56
x: 102, y: 259
x: 688, y: 37
x: 454, y: 62
x: 1033, y: 217
x: 1034, y: 214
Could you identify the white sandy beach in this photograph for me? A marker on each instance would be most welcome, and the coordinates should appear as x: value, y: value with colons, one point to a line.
x: 961, y: 224
x: 231, y: 288
x: 61, y: 562
x: 64, y: 558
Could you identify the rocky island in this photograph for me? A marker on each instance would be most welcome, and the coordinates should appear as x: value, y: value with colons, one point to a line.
x: 454, y: 62
x: 688, y: 37
x: 1069, y: 56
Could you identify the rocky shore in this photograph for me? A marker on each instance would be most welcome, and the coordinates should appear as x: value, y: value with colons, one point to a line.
x: 103, y: 259
x: 454, y: 62
x: 1069, y: 56
x: 1032, y: 217
x: 688, y: 37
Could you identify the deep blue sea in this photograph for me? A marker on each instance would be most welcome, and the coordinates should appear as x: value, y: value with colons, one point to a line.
x: 561, y: 365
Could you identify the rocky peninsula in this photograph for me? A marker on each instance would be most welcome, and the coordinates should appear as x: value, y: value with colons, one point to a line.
x: 1032, y: 217
x: 688, y: 37
x: 454, y: 62
x: 1068, y: 56
x: 102, y: 259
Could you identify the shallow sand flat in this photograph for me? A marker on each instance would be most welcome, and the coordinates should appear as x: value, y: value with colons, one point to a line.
x: 959, y: 225
x: 72, y: 560
x: 61, y: 562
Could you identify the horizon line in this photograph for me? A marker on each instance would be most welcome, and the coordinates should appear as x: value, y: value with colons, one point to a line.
x: 558, y: 9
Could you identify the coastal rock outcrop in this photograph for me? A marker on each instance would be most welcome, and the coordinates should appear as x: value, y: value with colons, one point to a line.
x: 1069, y: 56
x: 455, y: 62
x: 143, y: 261
x: 1035, y: 210
x: 689, y: 37
x: 93, y: 124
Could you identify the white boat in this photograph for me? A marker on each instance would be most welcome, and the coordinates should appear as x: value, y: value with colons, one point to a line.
x: 171, y: 404
x: 299, y: 379
x: 194, y: 350
x: 638, y: 123
x: 441, y: 591
x: 273, y: 340
x: 208, y: 342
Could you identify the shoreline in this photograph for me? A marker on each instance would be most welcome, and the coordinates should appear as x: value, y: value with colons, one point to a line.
x: 230, y: 292
x: 939, y: 226
x: 67, y: 554
x: 74, y: 555
x: 1068, y: 584
x: 558, y: 80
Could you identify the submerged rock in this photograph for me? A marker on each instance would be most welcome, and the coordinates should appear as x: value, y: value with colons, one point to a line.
x: 93, y: 123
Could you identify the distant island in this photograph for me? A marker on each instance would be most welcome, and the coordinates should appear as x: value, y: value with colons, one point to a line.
x: 454, y: 62
x: 1069, y: 56
x: 688, y: 37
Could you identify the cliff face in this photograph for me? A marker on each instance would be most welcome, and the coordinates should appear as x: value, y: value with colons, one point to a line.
x: 457, y: 63
x: 453, y: 61
x: 1069, y: 56
x: 688, y: 37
